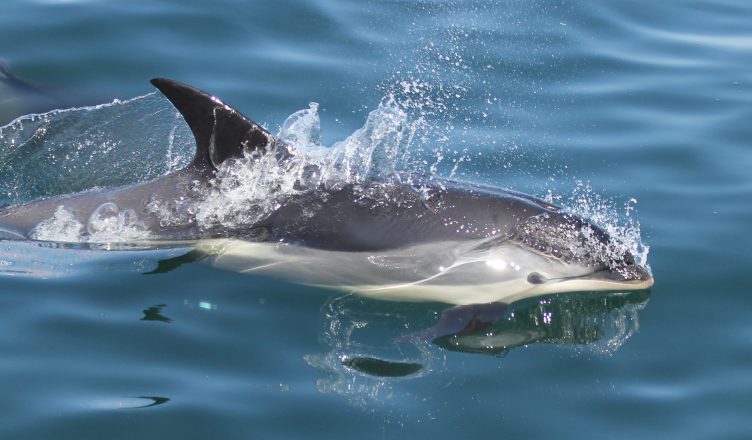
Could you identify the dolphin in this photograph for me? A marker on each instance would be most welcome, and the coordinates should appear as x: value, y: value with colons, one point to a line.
x: 400, y: 237
x: 19, y: 97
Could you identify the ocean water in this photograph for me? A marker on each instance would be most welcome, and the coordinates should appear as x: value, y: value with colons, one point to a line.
x: 634, y: 113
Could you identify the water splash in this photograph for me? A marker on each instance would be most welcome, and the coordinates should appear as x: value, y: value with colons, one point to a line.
x: 381, y: 147
x: 302, y: 129
x: 622, y: 225
x: 246, y: 190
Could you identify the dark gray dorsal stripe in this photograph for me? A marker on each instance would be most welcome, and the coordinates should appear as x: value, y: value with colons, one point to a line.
x: 221, y: 132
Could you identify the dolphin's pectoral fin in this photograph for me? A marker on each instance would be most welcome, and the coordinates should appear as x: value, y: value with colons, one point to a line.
x: 170, y: 264
x: 221, y: 132
x: 462, y: 320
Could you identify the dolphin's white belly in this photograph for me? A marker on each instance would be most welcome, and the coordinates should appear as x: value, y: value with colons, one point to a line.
x: 449, y: 272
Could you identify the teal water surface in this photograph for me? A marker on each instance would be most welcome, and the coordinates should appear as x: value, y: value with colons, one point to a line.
x: 630, y: 111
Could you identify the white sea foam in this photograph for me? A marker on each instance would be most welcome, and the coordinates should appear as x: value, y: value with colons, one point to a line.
x: 107, y: 224
x: 62, y: 226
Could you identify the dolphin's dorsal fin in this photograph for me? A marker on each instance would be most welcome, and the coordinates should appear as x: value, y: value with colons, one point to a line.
x: 221, y: 132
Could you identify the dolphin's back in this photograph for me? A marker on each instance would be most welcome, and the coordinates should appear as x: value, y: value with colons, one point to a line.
x: 346, y: 220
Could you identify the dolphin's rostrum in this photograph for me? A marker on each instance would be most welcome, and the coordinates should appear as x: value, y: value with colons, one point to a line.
x: 398, y: 236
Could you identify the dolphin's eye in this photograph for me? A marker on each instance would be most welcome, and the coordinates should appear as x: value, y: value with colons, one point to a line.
x: 535, y: 278
x: 629, y: 259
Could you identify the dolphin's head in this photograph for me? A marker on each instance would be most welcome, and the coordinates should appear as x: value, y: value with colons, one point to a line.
x: 562, y: 252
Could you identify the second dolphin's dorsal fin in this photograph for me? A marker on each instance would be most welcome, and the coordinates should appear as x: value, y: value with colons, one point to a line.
x: 221, y: 132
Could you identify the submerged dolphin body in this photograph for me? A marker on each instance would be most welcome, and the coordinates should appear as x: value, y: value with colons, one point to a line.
x: 398, y: 237
x: 19, y: 97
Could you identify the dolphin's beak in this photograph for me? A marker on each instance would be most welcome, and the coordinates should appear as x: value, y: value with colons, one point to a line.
x: 634, y: 276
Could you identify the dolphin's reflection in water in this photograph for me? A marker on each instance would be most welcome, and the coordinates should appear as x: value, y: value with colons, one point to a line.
x: 373, y: 344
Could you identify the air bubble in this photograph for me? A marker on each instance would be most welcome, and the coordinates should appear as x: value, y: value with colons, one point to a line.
x: 104, y: 219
